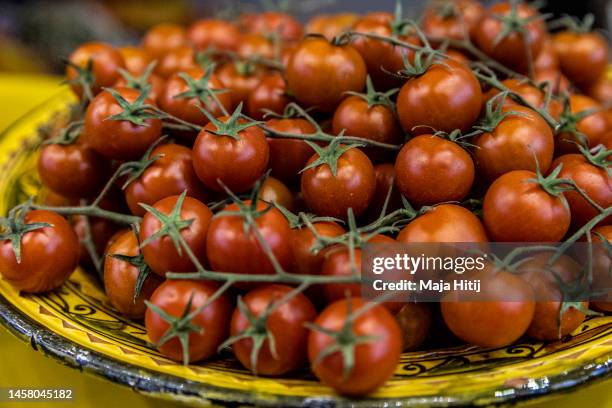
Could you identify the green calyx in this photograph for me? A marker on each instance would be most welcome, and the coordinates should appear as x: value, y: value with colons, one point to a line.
x: 574, y: 24
x: 14, y: 227
x: 232, y: 126
x: 568, y: 121
x: 330, y: 154
x: 423, y: 60
x: 373, y: 98
x: 180, y: 327
x: 136, y: 112
x: 133, y: 170
x: 514, y: 23
x: 446, y: 9
x: 200, y: 89
x: 67, y: 135
x: 139, y: 83
x: 257, y: 331
x: 297, y: 221
x: 171, y: 224
x: 552, y: 184
x: 249, y: 213
x: 143, y: 268
x: 85, y: 78
x: 495, y: 113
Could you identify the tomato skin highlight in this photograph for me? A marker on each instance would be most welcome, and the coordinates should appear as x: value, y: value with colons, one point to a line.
x: 49, y: 255
x: 172, y: 296
x: 383, y: 353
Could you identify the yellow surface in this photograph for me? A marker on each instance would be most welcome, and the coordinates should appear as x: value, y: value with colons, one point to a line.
x: 20, y: 366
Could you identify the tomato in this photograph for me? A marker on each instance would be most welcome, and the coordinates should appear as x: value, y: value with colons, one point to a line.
x: 289, y: 156
x: 432, y: 170
x: 72, y: 170
x: 120, y: 277
x: 414, y: 320
x: 514, y: 144
x: 385, y: 180
x: 511, y: 50
x: 548, y: 58
x: 444, y: 223
x: 214, y: 33
x: 230, y: 247
x: 136, y: 59
x: 191, y: 219
x: 337, y: 263
x: 451, y: 20
x: 171, y: 174
x: 530, y: 93
x: 105, y: 64
x: 101, y: 231
x: 518, y: 210
x: 274, y: 22
x: 331, y: 25
x: 319, y: 73
x: 593, y: 126
x: 557, y: 82
x: 601, y: 267
x: 156, y: 82
x: 458, y: 56
x: 189, y: 107
x: 353, y: 185
x: 306, y: 262
x: 241, y: 78
x: 211, y: 323
x: 274, y: 191
x: 549, y: 323
x: 375, y: 122
x: 285, y: 324
x: 255, y: 45
x: 119, y: 139
x: 177, y: 60
x: 583, y: 56
x: 49, y: 254
x: 237, y: 161
x: 601, y: 89
x: 269, y: 94
x: 380, y: 56
x: 164, y: 38
x: 593, y: 180
x: 382, y: 352
x: 499, y: 317
x: 446, y: 97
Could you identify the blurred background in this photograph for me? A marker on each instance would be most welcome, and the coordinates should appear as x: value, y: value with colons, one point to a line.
x: 35, y: 36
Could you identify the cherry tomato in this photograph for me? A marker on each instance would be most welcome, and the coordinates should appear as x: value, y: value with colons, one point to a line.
x: 160, y: 252
x: 105, y: 64
x: 601, y: 89
x: 49, y: 254
x: 285, y: 324
x: 156, y: 82
x: 274, y: 191
x: 319, y: 73
x: 255, y: 45
x: 289, y: 156
x: 431, y: 170
x: 593, y: 126
x: 382, y: 352
x: 357, y: 118
x: 274, y: 22
x: 446, y: 97
x: 601, y: 267
x: 593, y: 180
x: 583, y: 56
x: 510, y: 50
x: 100, y: 230
x: 514, y: 144
x: 164, y: 38
x: 305, y: 261
x: 72, y: 170
x: 136, y: 59
x: 499, y: 318
x: 557, y: 82
x: 213, y: 33
x: 120, y: 277
x: 173, y: 297
x: 451, y: 20
x: 352, y: 186
x: 444, y: 223
x: 414, y: 320
x: 171, y: 174
x: 548, y: 322
x: 118, y: 139
x: 515, y: 209
x: 331, y: 25
x: 237, y: 162
x: 269, y: 94
x: 232, y: 248
x: 241, y: 79
x: 188, y: 108
x: 177, y: 60
x: 547, y: 59
x: 385, y: 180
x: 530, y: 93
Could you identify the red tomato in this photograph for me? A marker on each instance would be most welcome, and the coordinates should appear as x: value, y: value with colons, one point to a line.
x: 212, y: 323
x: 593, y: 126
x: 49, y: 254
x: 255, y: 45
x: 556, y: 81
x: 285, y: 324
x: 451, y: 20
x: 331, y: 25
x: 120, y: 277
x: 101, y: 231
x: 548, y: 58
x: 274, y: 191
x: 179, y: 59
x: 530, y: 93
x: 192, y: 222
x: 319, y: 73
x: 274, y: 22
x: 237, y: 161
x: 583, y: 56
x: 289, y: 156
x: 382, y: 352
x: 518, y: 210
x: 446, y: 97
x: 156, y: 83
x: 269, y: 94
x: 105, y: 64
x: 601, y: 267
x: 232, y: 248
x: 241, y: 79
x: 118, y: 139
x: 385, y: 180
x: 164, y: 38
x: 431, y: 170
x: 136, y: 59
x: 213, y: 33
x: 305, y: 261
x: 353, y: 185
x: 171, y: 174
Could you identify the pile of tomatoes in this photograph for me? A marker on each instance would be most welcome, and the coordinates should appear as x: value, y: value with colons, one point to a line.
x: 223, y: 177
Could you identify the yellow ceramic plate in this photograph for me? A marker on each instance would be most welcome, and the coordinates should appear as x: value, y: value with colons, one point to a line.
x: 76, y: 325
